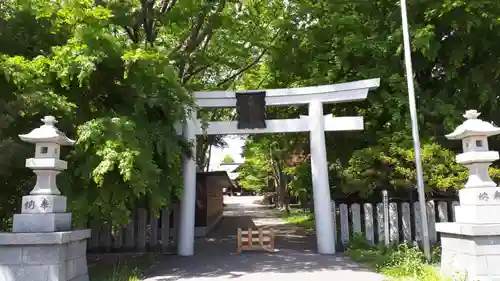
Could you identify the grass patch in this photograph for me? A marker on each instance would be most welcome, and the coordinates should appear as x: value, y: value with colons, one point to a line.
x: 120, y: 267
x: 299, y: 218
x: 402, y: 262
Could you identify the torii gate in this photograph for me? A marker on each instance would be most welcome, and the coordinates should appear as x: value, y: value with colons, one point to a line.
x: 316, y: 123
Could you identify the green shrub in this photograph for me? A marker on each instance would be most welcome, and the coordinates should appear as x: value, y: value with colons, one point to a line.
x: 401, y: 262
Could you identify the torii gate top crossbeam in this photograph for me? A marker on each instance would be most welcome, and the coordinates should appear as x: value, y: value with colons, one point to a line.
x: 335, y: 93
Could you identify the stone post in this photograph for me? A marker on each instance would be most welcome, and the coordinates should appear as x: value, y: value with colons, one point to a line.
x: 471, y: 245
x: 42, y: 246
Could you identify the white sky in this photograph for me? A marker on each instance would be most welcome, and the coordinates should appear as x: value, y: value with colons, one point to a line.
x: 234, y: 148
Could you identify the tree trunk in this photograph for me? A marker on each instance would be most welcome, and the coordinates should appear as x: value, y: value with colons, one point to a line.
x: 286, y: 192
x: 209, y: 156
x: 277, y: 187
x: 303, y: 201
x: 278, y: 174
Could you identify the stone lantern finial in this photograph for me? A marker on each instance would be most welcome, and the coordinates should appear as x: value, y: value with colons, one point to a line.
x: 49, y: 120
x: 471, y: 114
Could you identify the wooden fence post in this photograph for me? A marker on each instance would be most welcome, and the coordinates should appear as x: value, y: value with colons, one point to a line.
x: 142, y: 215
x: 431, y: 219
x: 393, y: 223
x: 176, y: 210
x: 165, y: 230
x: 406, y: 221
x: 105, y: 237
x: 130, y: 234
x: 118, y: 238
x: 368, y: 212
x: 356, y: 218
x: 334, y: 217
x: 380, y: 223
x: 153, y: 223
x: 385, y: 204
x: 344, y: 224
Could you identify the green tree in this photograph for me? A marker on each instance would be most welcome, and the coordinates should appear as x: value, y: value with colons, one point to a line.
x: 228, y: 159
x: 117, y: 75
x: 453, y: 49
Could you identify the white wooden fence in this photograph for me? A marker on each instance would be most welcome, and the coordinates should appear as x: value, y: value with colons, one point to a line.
x: 147, y: 232
x: 402, y: 223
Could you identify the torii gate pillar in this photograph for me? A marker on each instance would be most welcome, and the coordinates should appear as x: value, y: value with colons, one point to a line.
x: 325, y: 237
x: 188, y: 201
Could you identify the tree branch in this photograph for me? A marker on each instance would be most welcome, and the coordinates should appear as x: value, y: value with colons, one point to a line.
x: 148, y: 20
x: 207, y: 29
x: 131, y: 34
x: 201, y: 31
x: 166, y: 6
x: 195, y: 30
x: 196, y: 71
x: 242, y: 70
x: 247, y: 67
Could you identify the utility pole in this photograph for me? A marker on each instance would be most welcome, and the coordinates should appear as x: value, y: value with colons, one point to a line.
x: 414, y: 127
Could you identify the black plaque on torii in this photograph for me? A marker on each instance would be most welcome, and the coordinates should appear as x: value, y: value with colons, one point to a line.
x: 251, y: 110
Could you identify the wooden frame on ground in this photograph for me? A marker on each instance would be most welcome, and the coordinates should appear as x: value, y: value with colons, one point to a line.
x: 247, y: 240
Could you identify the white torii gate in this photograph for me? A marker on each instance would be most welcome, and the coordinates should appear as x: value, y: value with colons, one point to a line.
x: 316, y: 123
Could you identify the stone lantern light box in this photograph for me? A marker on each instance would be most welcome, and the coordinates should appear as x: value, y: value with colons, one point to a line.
x: 474, y: 132
x: 48, y: 140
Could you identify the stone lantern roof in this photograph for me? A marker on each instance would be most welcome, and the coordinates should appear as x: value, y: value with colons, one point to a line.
x: 473, y: 127
x: 47, y: 133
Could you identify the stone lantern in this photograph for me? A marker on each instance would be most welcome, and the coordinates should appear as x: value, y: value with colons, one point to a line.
x: 44, y: 210
x: 46, y: 164
x: 471, y: 244
x: 42, y: 246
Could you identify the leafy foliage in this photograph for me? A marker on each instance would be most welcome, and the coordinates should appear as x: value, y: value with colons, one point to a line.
x: 117, y: 74
x: 453, y: 48
x: 227, y: 159
x: 393, y: 165
x: 255, y: 172
x: 402, y: 262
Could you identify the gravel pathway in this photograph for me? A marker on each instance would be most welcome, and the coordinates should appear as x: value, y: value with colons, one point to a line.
x: 216, y: 259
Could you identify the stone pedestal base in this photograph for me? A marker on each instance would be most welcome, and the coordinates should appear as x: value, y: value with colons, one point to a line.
x: 471, y: 251
x: 35, y: 223
x: 57, y: 256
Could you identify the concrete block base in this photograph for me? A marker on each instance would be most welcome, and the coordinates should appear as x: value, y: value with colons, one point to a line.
x: 58, y: 256
x: 477, y: 214
x: 471, y: 254
x: 50, y: 222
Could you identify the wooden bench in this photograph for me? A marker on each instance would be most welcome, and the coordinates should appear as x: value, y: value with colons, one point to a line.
x: 261, y: 239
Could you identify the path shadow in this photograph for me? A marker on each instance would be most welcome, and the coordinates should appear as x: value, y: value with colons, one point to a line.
x: 234, y: 265
x: 216, y: 256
